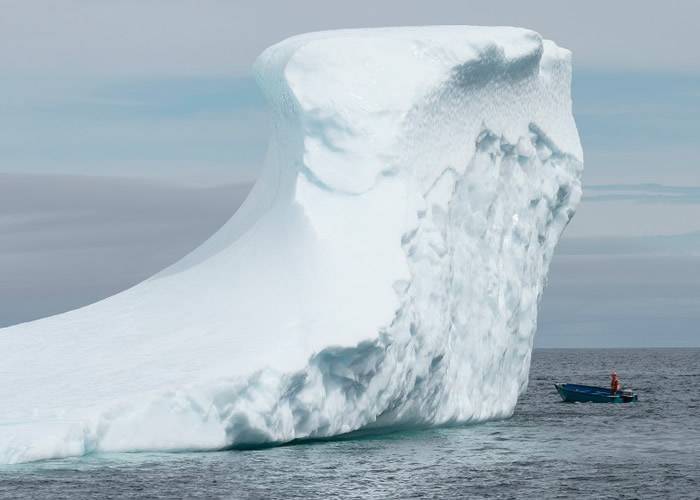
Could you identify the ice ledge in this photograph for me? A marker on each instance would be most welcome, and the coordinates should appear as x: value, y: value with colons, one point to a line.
x: 354, y: 92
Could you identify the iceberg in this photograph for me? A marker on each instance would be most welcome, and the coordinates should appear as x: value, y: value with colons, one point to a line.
x: 384, y: 271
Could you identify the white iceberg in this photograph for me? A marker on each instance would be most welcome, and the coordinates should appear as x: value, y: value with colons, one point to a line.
x: 385, y: 270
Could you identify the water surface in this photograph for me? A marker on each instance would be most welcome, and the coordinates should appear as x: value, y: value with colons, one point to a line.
x: 548, y: 449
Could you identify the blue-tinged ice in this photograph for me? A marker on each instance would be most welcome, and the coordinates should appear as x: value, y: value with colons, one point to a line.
x: 385, y: 270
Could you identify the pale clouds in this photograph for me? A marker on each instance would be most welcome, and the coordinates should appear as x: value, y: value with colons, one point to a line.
x: 134, y: 37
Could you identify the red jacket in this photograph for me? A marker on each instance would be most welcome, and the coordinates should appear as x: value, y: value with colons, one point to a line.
x: 614, y: 385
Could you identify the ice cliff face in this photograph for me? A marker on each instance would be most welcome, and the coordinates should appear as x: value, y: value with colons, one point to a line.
x: 385, y: 270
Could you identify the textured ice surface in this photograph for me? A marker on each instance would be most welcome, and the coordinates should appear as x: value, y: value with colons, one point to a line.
x: 384, y: 271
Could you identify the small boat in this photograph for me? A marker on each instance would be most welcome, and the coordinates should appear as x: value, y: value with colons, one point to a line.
x: 588, y: 394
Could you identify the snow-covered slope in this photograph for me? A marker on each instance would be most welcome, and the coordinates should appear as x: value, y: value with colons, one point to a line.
x: 385, y: 269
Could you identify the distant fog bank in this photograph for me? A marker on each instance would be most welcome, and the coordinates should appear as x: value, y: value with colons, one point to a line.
x: 67, y: 241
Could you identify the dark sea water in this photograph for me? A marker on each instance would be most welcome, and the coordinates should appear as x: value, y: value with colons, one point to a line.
x: 548, y: 449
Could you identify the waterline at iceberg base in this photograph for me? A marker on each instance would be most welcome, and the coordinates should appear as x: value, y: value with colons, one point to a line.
x: 384, y: 271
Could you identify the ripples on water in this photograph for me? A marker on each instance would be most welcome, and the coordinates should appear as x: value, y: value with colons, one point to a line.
x: 548, y: 449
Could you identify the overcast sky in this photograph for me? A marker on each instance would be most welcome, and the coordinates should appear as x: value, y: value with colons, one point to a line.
x: 203, y: 37
x: 160, y: 92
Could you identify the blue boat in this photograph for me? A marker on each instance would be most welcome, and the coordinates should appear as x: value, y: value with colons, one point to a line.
x: 572, y: 393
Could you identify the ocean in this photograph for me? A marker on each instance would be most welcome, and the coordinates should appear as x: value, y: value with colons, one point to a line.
x: 548, y: 449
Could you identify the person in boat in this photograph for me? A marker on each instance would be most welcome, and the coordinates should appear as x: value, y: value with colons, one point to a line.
x: 614, y: 383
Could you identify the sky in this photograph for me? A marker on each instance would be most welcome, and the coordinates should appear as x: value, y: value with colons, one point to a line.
x: 154, y: 100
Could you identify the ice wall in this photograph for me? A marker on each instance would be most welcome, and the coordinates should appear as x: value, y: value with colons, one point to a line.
x: 384, y: 271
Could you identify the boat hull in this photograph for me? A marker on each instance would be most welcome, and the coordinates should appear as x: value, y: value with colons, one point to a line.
x: 574, y: 393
